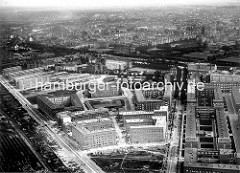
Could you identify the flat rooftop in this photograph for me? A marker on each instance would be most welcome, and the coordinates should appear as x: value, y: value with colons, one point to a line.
x: 138, y: 69
x: 73, y: 76
x: 145, y: 127
x: 222, y: 123
x: 190, y: 88
x: 161, y: 121
x: 163, y: 108
x: 136, y: 120
x: 191, y: 97
x: 31, y: 75
x: 139, y: 95
x: 91, y: 121
x: 90, y: 112
x: 190, y: 122
x: 47, y: 101
x: 137, y: 113
x: 231, y: 59
x: 85, y: 126
x: 190, y: 160
x: 85, y: 131
x: 218, y: 94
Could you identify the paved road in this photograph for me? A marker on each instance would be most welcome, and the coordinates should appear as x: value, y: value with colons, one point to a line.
x: 89, y: 165
x: 129, y: 95
x: 119, y: 132
x: 233, y: 117
x: 229, y: 103
x: 235, y: 131
x: 174, y: 142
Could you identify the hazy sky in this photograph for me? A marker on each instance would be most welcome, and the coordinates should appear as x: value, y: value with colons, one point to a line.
x: 105, y: 3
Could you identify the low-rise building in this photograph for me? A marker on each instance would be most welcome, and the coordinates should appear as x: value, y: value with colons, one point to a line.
x: 201, y: 67
x: 70, y: 67
x: 15, y: 74
x: 71, y: 78
x: 32, y: 81
x: 116, y: 64
x: 7, y: 71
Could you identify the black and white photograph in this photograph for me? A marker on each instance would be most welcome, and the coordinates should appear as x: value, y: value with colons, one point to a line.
x: 120, y: 86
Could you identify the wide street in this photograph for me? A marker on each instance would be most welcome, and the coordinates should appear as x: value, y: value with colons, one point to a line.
x: 233, y: 117
x: 174, y: 141
x: 121, y: 140
x: 229, y: 103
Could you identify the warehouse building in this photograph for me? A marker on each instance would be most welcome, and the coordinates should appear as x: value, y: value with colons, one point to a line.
x: 10, y: 70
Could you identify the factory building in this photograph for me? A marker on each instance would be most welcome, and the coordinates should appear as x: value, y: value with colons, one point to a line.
x: 71, y: 78
x: 32, y: 81
x: 10, y: 70
x: 13, y: 75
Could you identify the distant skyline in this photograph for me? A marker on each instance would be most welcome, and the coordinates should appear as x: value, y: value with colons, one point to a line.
x: 107, y: 3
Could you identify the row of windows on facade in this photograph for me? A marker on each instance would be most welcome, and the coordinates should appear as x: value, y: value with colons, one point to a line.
x: 202, y: 171
x: 141, y: 132
x: 101, y: 142
x: 90, y: 145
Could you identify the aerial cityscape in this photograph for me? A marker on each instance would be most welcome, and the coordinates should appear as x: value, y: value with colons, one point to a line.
x: 100, y: 86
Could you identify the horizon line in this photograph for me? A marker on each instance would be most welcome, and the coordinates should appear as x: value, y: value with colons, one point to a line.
x: 15, y: 7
